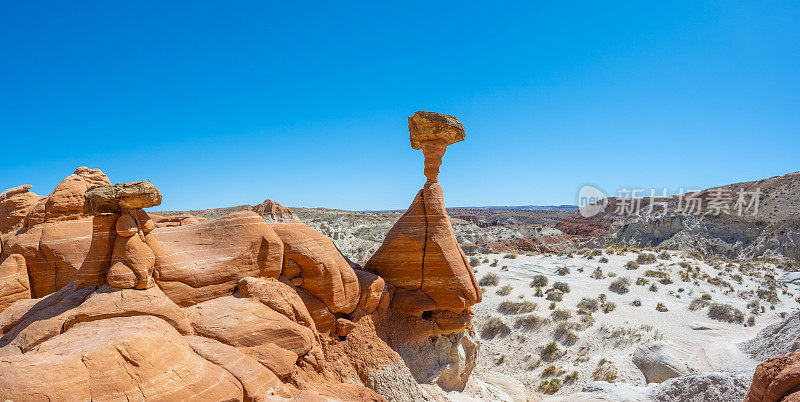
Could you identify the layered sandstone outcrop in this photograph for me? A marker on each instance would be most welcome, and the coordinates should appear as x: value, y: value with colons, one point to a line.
x: 101, y: 300
x: 433, y: 284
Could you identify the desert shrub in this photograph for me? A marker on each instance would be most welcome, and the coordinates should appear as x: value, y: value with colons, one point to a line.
x: 505, y: 290
x: 510, y: 256
x: 698, y: 303
x: 768, y: 295
x: 562, y: 270
x: 754, y: 306
x: 642, y: 281
x: 751, y: 321
x: 539, y: 281
x: 549, y: 351
x: 564, y: 333
x: 609, y: 307
x: 636, y: 303
x: 550, y: 386
x: 555, y: 295
x: 586, y: 321
x: 605, y: 371
x: 588, y: 306
x: 603, y: 260
x: 725, y: 312
x: 661, y: 275
x: 550, y: 370
x: 538, y: 292
x: 490, y: 279
x: 705, y: 296
x: 474, y: 262
x: 664, y: 256
x: 661, y: 307
x: 495, y: 327
x: 646, y: 258
x: 561, y: 315
x: 529, y: 322
x: 552, y: 305
x: 620, y: 285
x: 562, y: 286
x: 597, y: 274
x: 572, y: 377
x: 493, y: 264
x: 509, y: 307
x: 631, y: 265
x: 653, y: 288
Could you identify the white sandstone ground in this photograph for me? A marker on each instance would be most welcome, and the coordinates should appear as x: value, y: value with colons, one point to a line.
x: 701, y: 343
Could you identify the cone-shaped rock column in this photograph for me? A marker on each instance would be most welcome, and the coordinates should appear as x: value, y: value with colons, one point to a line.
x: 420, y: 254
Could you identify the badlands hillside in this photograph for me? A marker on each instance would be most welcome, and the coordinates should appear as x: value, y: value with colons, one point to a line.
x: 100, y: 299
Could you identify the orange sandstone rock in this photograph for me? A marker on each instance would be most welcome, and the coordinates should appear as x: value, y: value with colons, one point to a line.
x: 420, y: 254
x: 274, y: 212
x: 325, y: 272
x: 776, y: 379
x: 199, y: 262
x: 14, y: 283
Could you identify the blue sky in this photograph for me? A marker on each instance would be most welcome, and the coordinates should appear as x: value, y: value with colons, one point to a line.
x: 225, y: 103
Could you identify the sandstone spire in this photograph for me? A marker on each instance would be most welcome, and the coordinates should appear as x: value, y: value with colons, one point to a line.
x: 420, y: 254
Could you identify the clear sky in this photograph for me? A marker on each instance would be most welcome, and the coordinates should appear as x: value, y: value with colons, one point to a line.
x: 225, y: 103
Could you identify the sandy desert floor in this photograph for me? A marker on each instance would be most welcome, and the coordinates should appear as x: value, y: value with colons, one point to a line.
x: 534, y: 339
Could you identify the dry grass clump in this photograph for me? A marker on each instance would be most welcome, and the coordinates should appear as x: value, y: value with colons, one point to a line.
x: 603, y: 260
x: 664, y: 256
x: 620, y: 285
x: 490, y: 279
x: 646, y: 258
x: 474, y: 262
x: 509, y: 307
x: 609, y: 306
x: 505, y: 290
x: 661, y: 307
x: 605, y: 371
x: 554, y: 295
x: 539, y: 281
x: 562, y: 286
x: 597, y: 274
x: 588, y: 306
x: 725, y: 312
x: 562, y: 270
x: 698, y: 303
x: 636, y: 303
x: 565, y: 333
x: 653, y: 288
x: 663, y: 277
x: 642, y: 281
x: 631, y: 265
x: 511, y: 256
x: 530, y: 322
x: 495, y: 327
x: 561, y: 314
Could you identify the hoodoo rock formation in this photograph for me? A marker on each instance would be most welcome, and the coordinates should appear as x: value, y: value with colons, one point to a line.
x: 421, y: 258
x: 101, y: 300
x: 420, y: 255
